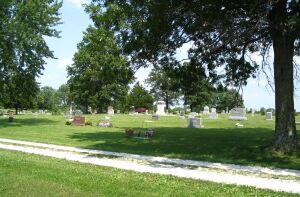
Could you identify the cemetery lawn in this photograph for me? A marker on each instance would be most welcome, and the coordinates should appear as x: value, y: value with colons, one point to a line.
x: 32, y: 175
x: 220, y: 141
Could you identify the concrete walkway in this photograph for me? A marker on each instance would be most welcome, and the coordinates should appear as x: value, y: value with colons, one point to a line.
x: 265, y: 178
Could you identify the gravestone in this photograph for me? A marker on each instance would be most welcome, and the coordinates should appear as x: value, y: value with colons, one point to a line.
x: 181, y: 115
x: 155, y: 117
x: 237, y: 114
x: 269, y: 116
x: 213, y: 113
x: 160, y: 108
x: 105, y: 122
x: 69, y: 115
x: 90, y: 110
x: 206, y: 110
x: 193, y: 114
x: 194, y: 123
x: 131, y: 110
x: 110, y: 110
x: 252, y: 112
x: 187, y: 109
x: 78, y: 119
x: 10, y: 116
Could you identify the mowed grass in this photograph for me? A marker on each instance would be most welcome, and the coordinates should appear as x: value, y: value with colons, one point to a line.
x: 219, y: 141
x: 32, y: 175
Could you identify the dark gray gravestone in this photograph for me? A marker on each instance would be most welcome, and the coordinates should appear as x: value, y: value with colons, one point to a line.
x: 194, y: 123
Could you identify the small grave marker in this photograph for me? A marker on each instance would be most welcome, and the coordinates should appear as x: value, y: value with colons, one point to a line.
x: 194, y: 123
x: 206, y: 110
x: 10, y: 116
x: 269, y: 116
x: 237, y: 114
x: 155, y: 117
x: 193, y: 114
x: 213, y: 113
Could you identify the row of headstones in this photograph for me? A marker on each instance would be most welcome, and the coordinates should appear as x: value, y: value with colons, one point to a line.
x: 235, y: 114
x: 79, y: 120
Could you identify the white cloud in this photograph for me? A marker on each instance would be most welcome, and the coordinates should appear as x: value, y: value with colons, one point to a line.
x: 77, y: 3
x: 62, y: 63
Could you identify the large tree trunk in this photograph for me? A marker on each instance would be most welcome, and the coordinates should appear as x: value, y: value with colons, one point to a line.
x: 285, y: 138
x: 167, y: 102
x: 16, y: 109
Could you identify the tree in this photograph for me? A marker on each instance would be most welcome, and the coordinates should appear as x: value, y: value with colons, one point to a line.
x: 62, y: 95
x: 195, y: 87
x: 46, y: 98
x: 221, y: 99
x: 140, y: 97
x: 220, y: 34
x: 99, y: 75
x: 19, y: 91
x: 161, y: 87
x: 24, y: 25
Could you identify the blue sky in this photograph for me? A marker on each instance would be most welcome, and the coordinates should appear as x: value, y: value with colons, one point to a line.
x: 75, y: 21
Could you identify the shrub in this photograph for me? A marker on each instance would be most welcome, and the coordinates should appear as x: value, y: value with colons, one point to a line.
x: 89, y: 123
x: 68, y: 122
x: 56, y: 111
x: 262, y: 111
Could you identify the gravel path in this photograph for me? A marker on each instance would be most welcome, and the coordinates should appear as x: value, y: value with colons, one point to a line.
x: 266, y: 178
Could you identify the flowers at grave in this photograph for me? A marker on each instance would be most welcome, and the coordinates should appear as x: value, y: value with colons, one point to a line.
x: 129, y: 132
x: 104, y: 123
x: 149, y: 133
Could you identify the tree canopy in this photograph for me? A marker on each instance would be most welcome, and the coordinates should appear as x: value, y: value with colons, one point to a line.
x: 163, y: 87
x: 139, y: 97
x: 24, y: 25
x: 221, y: 34
x: 99, y: 75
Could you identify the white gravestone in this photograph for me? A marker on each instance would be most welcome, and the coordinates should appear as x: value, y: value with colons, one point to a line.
x: 69, y: 114
x: 110, y: 110
x: 252, y: 112
x: 206, y: 110
x: 131, y: 110
x: 181, y: 115
x: 269, y: 116
x: 213, y: 113
x: 193, y: 114
x: 237, y: 114
x: 194, y: 123
x: 160, y: 108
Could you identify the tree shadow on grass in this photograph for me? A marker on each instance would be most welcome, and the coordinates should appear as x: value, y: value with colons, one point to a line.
x: 246, y: 146
x: 18, y: 122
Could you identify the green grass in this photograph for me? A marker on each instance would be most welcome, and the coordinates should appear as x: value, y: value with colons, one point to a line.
x: 31, y: 175
x: 219, y: 141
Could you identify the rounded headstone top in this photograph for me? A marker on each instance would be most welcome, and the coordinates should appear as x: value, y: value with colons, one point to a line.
x: 160, y: 102
x: 78, y: 113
